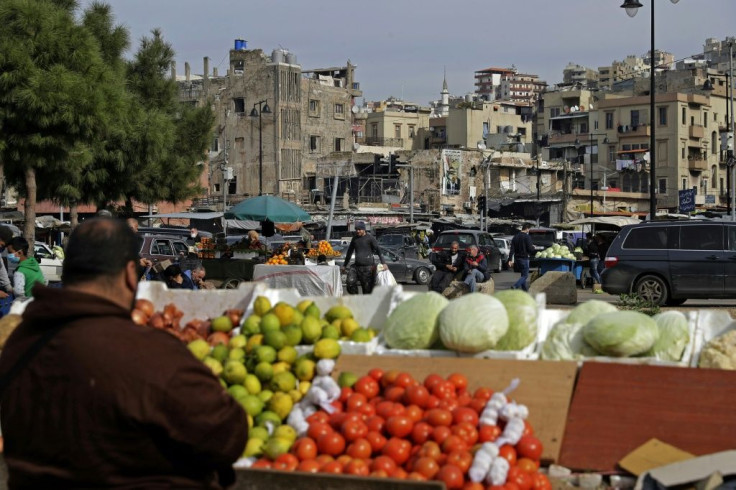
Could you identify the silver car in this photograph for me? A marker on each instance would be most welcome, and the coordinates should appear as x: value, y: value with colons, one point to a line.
x: 504, y: 246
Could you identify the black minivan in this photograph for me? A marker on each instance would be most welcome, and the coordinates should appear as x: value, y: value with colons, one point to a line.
x: 669, y: 262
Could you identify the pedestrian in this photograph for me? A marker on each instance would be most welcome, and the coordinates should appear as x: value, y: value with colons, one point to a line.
x: 92, y: 400
x: 594, y: 258
x: 522, y: 250
x: 364, y: 246
x: 6, y: 287
x: 475, y: 268
x: 448, y: 265
x: 28, y: 272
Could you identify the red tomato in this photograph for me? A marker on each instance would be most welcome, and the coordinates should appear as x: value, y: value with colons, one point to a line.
x: 451, y: 476
x: 438, y: 416
x: 464, y: 414
x: 397, y: 449
x: 528, y: 465
x: 318, y: 416
x: 483, y: 393
x: 331, y: 443
x: 399, y: 473
x: 345, y: 393
x: 467, y: 432
x: 529, y: 447
x: 416, y: 395
x: 399, y: 426
x: 337, y: 405
x: 385, y: 409
x: 355, y: 401
x: 541, y: 482
x: 415, y: 476
x: 360, y: 448
x: 378, y: 474
x: 305, y: 448
x: 450, y: 403
x: 440, y: 433
x: 453, y: 443
x: 308, y: 466
x: 421, y: 432
x: 430, y: 449
x: 509, y: 453
x: 426, y: 466
x: 520, y: 477
x: 285, y: 462
x: 404, y: 380
x: 367, y: 410
x: 432, y: 380
x: 261, y: 463
x: 477, y: 404
x: 489, y: 433
x: 461, y: 459
x: 383, y: 463
x: 352, y: 430
x: 376, y: 440
x: 528, y: 430
x: 443, y: 390
x: 323, y: 459
x: 318, y: 429
x: 475, y: 486
x: 394, y: 393
x: 376, y: 374
x: 331, y: 467
x: 464, y: 399
x: 414, y: 413
x: 343, y: 459
x: 367, y: 386
x: 375, y: 423
x: 389, y: 377
x: 432, y: 402
x: 459, y: 380
x: 357, y: 467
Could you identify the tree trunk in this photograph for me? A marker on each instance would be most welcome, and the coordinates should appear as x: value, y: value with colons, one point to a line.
x: 30, y: 206
x: 73, y: 215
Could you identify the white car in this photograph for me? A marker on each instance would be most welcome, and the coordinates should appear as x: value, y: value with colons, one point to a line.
x: 504, y: 246
x: 47, y: 259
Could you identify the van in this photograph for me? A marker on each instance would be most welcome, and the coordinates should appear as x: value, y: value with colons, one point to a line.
x: 669, y: 262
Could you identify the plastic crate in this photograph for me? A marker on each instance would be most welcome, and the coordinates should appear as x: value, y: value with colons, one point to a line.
x: 5, y: 304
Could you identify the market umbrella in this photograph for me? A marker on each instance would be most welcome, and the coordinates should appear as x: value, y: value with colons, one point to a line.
x: 267, y: 208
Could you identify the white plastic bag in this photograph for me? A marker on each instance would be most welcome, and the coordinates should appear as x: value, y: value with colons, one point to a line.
x: 384, y: 276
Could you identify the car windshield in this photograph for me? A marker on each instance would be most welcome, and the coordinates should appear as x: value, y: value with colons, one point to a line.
x: 464, y: 239
x: 500, y: 243
x: 542, y: 237
x: 387, y: 254
x: 391, y: 240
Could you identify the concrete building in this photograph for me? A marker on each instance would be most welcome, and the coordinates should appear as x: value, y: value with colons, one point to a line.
x: 469, y: 125
x: 620, y: 70
x: 562, y: 115
x: 396, y: 124
x: 508, y: 84
x: 579, y: 76
x: 310, y: 116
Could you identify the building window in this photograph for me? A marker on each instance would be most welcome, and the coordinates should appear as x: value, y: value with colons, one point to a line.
x: 215, y: 144
x: 374, y: 130
x: 663, y: 116
x: 713, y: 176
x: 313, y: 107
x: 611, y: 154
x: 705, y: 119
x: 684, y: 116
x: 339, y: 111
x: 239, y: 105
x: 682, y: 153
x: 397, y: 131
x: 609, y: 120
x: 634, y: 119
x: 232, y: 186
x: 339, y: 144
x: 554, y: 112
x: 684, y: 184
x: 662, y: 186
x: 313, y: 143
x: 714, y: 142
x: 412, y: 130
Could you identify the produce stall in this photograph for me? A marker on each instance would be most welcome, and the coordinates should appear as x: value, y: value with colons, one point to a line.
x: 309, y: 280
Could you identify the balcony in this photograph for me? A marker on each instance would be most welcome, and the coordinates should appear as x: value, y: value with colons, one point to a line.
x: 380, y: 141
x: 563, y: 138
x: 633, y: 131
x: 697, y: 164
x: 697, y: 131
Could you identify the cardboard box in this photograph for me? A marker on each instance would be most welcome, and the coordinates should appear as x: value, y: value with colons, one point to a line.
x: 652, y: 454
x: 704, y: 472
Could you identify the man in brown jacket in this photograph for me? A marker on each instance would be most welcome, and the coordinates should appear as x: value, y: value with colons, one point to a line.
x: 89, y: 399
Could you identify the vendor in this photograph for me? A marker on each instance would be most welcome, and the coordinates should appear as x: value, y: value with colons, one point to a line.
x: 254, y: 242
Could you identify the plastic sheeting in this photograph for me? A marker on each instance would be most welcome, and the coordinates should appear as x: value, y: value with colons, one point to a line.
x: 309, y: 280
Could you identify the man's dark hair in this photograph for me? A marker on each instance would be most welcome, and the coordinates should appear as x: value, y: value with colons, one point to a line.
x: 6, y: 234
x: 525, y: 226
x: 19, y: 244
x: 99, y: 247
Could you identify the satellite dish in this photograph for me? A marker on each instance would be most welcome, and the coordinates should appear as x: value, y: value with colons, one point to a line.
x: 355, y: 109
x: 481, y: 145
x: 590, y: 107
x: 577, y: 108
x: 566, y: 109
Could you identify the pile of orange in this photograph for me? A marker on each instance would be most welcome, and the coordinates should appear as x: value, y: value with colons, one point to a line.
x: 323, y: 248
x: 278, y: 259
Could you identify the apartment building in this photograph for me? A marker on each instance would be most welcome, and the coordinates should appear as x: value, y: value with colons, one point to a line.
x: 508, y: 84
x: 396, y: 124
x: 620, y: 70
x: 469, y: 125
x: 580, y: 76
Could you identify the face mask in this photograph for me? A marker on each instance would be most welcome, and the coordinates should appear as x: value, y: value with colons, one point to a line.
x: 193, y: 235
x: 13, y: 259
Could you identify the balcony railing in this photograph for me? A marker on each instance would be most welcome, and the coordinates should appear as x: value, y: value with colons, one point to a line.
x: 697, y: 131
x: 631, y: 131
x: 562, y: 138
x: 380, y: 141
x: 697, y: 164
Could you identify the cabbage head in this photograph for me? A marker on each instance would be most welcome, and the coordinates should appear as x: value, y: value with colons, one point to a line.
x: 674, y: 336
x: 522, y: 311
x: 473, y: 323
x: 413, y: 323
x: 585, y: 312
x: 565, y: 342
x: 621, y: 333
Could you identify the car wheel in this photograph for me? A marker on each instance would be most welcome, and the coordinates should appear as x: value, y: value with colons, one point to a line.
x: 652, y: 289
x: 499, y: 267
x: 231, y: 284
x: 422, y: 275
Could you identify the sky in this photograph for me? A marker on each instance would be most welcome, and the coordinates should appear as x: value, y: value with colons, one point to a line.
x: 403, y: 47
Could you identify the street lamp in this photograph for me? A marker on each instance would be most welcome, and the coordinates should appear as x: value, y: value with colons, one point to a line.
x: 577, y: 143
x: 632, y: 6
x: 262, y: 109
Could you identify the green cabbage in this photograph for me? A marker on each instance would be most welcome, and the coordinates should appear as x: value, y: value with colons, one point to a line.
x: 413, y: 324
x: 584, y: 312
x: 473, y: 323
x: 674, y: 336
x: 621, y: 333
x: 522, y: 311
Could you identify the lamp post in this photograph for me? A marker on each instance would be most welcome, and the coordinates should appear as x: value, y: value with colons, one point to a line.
x: 577, y: 144
x: 262, y: 109
x: 632, y: 7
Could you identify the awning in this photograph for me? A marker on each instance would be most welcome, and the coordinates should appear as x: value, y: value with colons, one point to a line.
x: 210, y: 215
x: 619, y: 221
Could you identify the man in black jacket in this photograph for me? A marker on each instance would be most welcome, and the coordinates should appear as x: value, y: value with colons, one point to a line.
x: 364, y: 246
x: 448, y: 263
x: 522, y: 249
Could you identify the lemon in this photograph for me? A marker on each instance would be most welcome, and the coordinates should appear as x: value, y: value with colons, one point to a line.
x: 311, y: 329
x: 261, y: 306
x: 214, y: 365
x: 270, y: 323
x: 361, y: 335
x: 234, y: 372
x: 276, y: 446
x: 298, y: 317
x: 347, y: 379
x: 238, y: 342
x: 295, y: 395
x: 281, y: 404
x: 330, y: 332
x: 283, y: 381
x: 304, y: 387
x: 348, y: 326
x: 238, y: 392
x: 280, y: 367
x: 200, y: 348
x: 265, y: 395
x: 222, y: 324
x: 304, y: 304
x: 220, y: 352
x: 276, y: 339
x: 252, y: 325
x: 285, y: 432
x: 268, y: 416
x: 313, y: 311
x: 253, y: 448
x: 253, y: 342
x: 252, y: 405
x: 304, y: 369
x: 266, y: 353
x: 258, y: 433
x: 264, y: 371
x: 287, y: 354
x: 327, y: 348
x: 236, y: 355
x: 284, y: 312
x: 252, y: 384
x: 338, y: 312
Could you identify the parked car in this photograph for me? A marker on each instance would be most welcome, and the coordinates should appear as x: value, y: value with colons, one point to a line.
x: 504, y: 246
x: 543, y: 238
x: 670, y: 262
x: 466, y: 238
x: 171, y: 231
x: 163, y: 247
x: 402, y: 268
x: 401, y: 244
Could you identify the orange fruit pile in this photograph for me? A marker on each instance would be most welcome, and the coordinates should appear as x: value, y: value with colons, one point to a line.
x: 278, y: 259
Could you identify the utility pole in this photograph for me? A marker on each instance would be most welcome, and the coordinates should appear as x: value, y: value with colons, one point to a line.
x: 564, y: 192
x: 335, y: 181
x: 729, y: 136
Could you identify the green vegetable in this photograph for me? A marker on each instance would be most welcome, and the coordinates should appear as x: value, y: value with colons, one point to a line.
x: 673, y: 336
x: 522, y: 311
x: 621, y: 333
x: 413, y: 324
x: 585, y: 312
x: 473, y: 323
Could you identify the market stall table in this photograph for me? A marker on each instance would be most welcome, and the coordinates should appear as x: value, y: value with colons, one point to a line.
x: 309, y: 280
x: 577, y: 267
